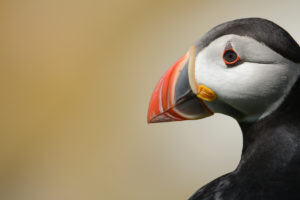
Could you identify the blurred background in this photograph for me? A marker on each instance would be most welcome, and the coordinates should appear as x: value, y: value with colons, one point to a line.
x: 75, y: 82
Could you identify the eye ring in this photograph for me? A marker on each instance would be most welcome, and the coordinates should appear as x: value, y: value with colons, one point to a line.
x: 230, y: 57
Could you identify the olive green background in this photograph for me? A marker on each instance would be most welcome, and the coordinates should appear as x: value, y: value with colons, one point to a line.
x: 76, y: 77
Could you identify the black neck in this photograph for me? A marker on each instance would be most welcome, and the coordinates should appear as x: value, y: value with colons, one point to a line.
x: 273, y: 143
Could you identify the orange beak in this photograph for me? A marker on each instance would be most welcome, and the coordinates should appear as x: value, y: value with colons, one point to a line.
x: 175, y: 96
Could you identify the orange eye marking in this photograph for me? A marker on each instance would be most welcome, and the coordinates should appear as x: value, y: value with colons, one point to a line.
x: 230, y: 57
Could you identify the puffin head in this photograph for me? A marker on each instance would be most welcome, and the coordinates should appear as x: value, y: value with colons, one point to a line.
x: 243, y: 68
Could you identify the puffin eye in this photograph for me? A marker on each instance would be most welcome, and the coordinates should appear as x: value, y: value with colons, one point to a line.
x: 230, y: 57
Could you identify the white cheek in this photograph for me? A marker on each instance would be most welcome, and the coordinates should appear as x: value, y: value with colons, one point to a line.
x: 286, y: 78
x: 258, y: 82
x: 208, y: 67
x: 251, y: 88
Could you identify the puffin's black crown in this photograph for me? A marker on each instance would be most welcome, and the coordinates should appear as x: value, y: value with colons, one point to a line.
x: 262, y: 30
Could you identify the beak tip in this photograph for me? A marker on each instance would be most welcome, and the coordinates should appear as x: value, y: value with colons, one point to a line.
x: 149, y: 120
x: 159, y: 117
x: 152, y: 117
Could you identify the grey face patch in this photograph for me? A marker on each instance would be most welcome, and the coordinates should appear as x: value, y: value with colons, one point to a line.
x: 262, y: 30
x: 228, y: 46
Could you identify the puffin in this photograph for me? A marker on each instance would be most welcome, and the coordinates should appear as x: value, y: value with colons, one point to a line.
x: 249, y: 70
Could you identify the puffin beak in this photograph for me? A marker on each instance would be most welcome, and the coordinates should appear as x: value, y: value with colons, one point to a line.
x: 177, y: 96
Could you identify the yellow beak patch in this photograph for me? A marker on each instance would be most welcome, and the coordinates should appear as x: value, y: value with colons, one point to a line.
x: 206, y: 93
